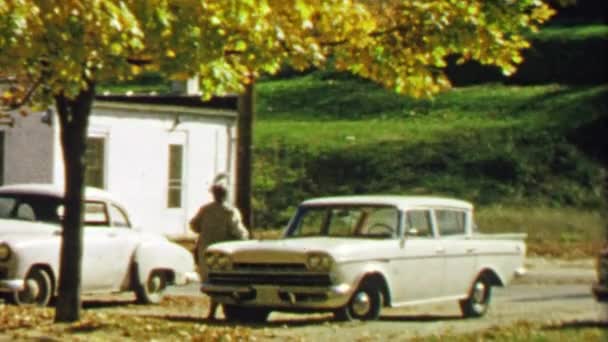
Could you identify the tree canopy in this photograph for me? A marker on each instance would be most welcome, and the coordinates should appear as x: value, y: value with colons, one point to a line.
x: 57, y: 51
x: 60, y: 45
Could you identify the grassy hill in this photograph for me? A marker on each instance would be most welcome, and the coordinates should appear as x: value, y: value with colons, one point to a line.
x: 323, y: 134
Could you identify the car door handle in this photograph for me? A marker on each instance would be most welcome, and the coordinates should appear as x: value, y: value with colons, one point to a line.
x: 440, y: 250
x: 471, y: 250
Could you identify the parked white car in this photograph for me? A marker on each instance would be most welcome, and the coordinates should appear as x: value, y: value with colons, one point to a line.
x: 354, y: 255
x: 116, y: 257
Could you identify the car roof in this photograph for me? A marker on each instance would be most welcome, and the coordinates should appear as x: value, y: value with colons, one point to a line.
x: 53, y: 190
x: 401, y: 202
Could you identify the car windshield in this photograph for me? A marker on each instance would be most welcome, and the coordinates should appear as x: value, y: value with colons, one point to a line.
x: 360, y: 221
x: 30, y: 207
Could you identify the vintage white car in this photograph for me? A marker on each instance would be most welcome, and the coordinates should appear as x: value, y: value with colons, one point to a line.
x: 116, y: 257
x: 354, y: 255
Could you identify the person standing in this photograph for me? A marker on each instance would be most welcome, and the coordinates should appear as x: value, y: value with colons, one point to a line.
x: 214, y: 222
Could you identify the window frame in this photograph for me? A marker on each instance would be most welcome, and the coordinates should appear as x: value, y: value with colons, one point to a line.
x: 434, y: 232
x: 104, y: 205
x: 115, y: 208
x: 102, y: 182
x: 176, y: 183
x: 439, y: 231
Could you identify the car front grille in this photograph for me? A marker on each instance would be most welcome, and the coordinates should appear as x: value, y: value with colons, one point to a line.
x: 283, y: 268
x: 269, y: 274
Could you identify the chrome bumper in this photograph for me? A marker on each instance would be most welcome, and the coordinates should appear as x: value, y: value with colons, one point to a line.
x: 286, y: 297
x: 11, y: 285
x: 186, y: 278
x: 192, y: 277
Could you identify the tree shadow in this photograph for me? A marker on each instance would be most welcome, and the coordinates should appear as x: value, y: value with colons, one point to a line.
x: 107, y: 303
x: 297, y: 321
x: 420, y: 318
x: 572, y: 296
x: 577, y: 325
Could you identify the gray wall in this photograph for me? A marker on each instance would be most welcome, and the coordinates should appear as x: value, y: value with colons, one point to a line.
x: 28, y: 150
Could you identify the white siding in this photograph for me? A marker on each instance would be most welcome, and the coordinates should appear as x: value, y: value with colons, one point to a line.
x: 28, y: 152
x: 137, y: 157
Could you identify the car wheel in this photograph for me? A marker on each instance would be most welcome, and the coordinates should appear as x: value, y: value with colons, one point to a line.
x: 478, y: 301
x: 38, y: 289
x: 151, y: 292
x: 245, y: 314
x: 365, y: 304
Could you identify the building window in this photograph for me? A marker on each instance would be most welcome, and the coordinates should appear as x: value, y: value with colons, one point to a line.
x: 176, y: 161
x: 94, y: 159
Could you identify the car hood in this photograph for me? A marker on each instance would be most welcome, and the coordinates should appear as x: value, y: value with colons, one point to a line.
x: 297, y: 249
x: 22, y: 232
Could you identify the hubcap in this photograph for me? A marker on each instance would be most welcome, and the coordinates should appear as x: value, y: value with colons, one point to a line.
x: 361, y: 304
x: 32, y: 289
x: 155, y: 284
x: 479, y: 292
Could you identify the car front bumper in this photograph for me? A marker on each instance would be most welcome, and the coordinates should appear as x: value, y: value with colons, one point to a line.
x: 281, y: 297
x: 11, y: 285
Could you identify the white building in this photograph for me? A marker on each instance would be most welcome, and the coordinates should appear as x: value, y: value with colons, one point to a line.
x: 159, y: 155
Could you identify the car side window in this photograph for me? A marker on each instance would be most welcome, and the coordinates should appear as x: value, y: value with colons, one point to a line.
x: 419, y: 223
x: 119, y: 217
x: 95, y: 214
x: 6, y: 207
x: 312, y: 223
x: 380, y: 222
x: 25, y: 212
x: 450, y: 222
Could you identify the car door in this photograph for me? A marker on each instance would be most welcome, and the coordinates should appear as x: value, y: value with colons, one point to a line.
x: 459, y: 252
x: 107, y: 249
x: 124, y: 240
x: 97, y: 256
x: 421, y: 265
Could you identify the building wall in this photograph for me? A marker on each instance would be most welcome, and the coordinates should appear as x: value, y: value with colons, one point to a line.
x: 137, y: 160
x: 28, y: 150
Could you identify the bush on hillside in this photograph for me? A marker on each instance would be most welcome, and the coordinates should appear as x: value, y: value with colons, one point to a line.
x: 505, y: 166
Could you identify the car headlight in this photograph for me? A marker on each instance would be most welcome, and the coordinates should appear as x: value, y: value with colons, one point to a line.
x: 5, y: 252
x: 319, y: 262
x: 218, y: 261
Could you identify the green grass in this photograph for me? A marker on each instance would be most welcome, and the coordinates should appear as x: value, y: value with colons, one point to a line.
x: 343, y: 111
x: 564, y: 232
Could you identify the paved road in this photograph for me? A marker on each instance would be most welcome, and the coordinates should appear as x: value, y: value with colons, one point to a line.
x: 545, y: 303
x: 547, y: 294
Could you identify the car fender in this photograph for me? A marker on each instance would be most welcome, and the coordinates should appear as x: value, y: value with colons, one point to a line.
x: 35, y: 253
x: 355, y: 273
x: 164, y: 255
x: 492, y: 273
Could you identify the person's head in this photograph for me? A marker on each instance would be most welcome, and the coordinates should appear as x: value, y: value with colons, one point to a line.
x: 219, y: 189
x: 220, y: 193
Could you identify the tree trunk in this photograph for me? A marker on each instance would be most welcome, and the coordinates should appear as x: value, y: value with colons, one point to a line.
x: 74, y: 120
x: 243, y: 163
